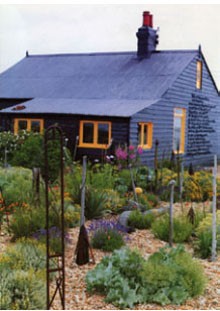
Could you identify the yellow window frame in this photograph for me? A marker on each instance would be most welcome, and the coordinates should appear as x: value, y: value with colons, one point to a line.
x: 95, y: 143
x: 29, y: 121
x: 199, y: 74
x: 182, y: 117
x: 149, y: 126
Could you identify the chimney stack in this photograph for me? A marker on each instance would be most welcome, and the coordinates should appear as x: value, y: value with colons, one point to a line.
x: 147, y: 19
x: 147, y: 37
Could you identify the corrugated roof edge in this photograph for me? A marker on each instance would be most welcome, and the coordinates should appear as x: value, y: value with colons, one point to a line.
x: 108, y: 53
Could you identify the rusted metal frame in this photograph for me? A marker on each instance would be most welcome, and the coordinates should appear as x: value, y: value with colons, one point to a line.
x: 60, y: 281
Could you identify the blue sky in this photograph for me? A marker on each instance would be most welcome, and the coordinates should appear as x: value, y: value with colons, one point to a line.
x: 73, y: 28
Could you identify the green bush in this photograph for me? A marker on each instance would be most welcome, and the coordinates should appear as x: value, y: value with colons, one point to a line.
x: 107, y: 239
x: 26, y: 221
x: 22, y: 290
x: 139, y: 220
x: 172, y: 276
x: 101, y: 176
x: 182, y: 229
x: 203, y: 242
x: 16, y: 185
x: 125, y: 278
x: 23, y: 276
x: 25, y: 254
x: 30, y: 152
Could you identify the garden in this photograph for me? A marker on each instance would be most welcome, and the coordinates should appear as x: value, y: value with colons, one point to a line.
x: 127, y: 221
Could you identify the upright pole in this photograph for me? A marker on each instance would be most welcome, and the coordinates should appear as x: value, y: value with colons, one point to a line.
x: 214, y: 242
x: 133, y: 184
x: 83, y: 192
x: 181, y: 185
x: 171, y: 184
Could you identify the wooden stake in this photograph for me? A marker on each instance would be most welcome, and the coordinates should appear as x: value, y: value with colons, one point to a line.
x: 83, y: 192
x: 214, y: 242
x: 171, y: 184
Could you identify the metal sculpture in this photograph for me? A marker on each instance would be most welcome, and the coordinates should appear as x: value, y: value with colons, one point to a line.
x: 51, y: 135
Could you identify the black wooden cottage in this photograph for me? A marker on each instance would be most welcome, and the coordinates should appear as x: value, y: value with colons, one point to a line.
x: 118, y: 98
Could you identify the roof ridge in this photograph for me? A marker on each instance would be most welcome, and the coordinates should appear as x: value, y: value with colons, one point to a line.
x: 107, y: 53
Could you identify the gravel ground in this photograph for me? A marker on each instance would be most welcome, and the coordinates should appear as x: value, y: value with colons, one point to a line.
x: 78, y: 299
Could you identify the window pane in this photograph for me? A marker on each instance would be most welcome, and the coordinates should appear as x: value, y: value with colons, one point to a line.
x: 35, y: 126
x: 139, y: 134
x: 88, y: 130
x: 145, y: 142
x: 22, y: 125
x: 178, y: 111
x: 103, y: 134
x: 177, y: 133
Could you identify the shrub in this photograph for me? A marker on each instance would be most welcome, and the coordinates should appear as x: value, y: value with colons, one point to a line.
x: 22, y: 290
x: 172, y: 276
x: 23, y: 276
x: 30, y: 152
x: 16, y: 185
x: 24, y: 255
x: 139, y: 220
x: 203, y: 242
x: 125, y: 278
x: 26, y: 221
x: 107, y: 235
x: 54, y: 238
x: 101, y: 176
x: 182, y: 229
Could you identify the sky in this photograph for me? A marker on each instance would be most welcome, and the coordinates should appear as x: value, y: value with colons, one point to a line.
x: 73, y: 28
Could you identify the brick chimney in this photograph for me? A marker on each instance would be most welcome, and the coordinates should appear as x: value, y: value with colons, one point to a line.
x: 147, y: 37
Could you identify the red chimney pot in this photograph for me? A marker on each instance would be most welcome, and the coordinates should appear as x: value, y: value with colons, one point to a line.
x: 147, y: 19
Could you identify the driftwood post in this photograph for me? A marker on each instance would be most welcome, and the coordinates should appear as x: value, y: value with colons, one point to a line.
x: 181, y: 185
x: 171, y: 184
x: 214, y: 242
x: 133, y: 184
x: 83, y: 192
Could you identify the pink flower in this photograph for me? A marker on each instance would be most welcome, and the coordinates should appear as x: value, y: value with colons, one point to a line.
x: 132, y: 156
x: 139, y: 150
x: 131, y: 148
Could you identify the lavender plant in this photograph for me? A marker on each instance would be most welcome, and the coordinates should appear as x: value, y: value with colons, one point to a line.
x: 107, y: 235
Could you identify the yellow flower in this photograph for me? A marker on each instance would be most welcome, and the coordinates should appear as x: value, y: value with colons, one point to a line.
x: 138, y: 190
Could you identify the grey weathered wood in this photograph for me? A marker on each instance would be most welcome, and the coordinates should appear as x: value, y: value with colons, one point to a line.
x: 214, y: 237
x: 83, y: 191
x: 172, y: 184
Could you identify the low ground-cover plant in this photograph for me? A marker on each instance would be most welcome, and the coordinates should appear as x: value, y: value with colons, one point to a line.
x: 182, y: 229
x: 203, y: 242
x: 139, y: 220
x: 168, y: 276
x: 23, y: 276
x: 107, y: 235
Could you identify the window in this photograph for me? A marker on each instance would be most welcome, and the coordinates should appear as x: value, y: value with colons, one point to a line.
x: 95, y: 134
x: 179, y: 130
x: 145, y: 135
x: 34, y: 125
x: 199, y: 74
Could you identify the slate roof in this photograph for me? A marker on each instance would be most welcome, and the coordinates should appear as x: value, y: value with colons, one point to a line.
x: 115, y: 107
x: 109, y: 76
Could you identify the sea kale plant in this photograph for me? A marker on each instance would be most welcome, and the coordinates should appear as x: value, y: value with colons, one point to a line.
x: 169, y: 276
